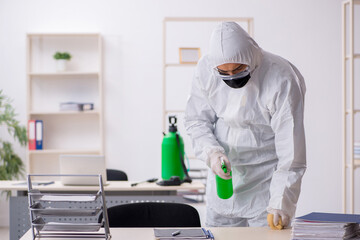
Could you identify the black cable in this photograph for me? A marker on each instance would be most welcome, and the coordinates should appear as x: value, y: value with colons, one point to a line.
x: 187, y: 178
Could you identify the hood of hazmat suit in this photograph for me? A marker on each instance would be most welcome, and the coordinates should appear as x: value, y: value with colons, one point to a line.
x: 259, y: 126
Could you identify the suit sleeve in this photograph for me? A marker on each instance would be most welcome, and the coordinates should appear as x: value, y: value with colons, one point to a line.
x: 199, y: 122
x: 287, y: 124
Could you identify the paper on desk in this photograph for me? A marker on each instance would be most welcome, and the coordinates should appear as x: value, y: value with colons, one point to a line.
x: 60, y: 198
x: 43, y: 183
x: 164, y: 234
x: 73, y: 227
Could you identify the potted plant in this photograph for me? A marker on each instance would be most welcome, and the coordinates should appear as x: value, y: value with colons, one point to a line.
x: 11, y: 165
x: 61, y: 60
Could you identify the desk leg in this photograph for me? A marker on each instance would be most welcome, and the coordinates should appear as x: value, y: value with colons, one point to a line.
x: 19, y: 217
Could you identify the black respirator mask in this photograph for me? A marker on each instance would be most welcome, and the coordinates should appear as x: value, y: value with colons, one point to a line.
x: 237, y: 80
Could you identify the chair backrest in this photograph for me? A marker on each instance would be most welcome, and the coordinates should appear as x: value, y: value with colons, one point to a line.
x: 152, y: 214
x: 116, y: 175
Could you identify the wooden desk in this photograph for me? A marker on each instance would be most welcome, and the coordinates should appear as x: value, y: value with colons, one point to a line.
x: 112, y: 188
x: 246, y: 233
x: 117, y: 192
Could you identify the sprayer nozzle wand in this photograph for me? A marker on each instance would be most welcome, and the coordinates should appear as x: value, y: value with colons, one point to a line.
x: 149, y: 180
x: 223, y: 165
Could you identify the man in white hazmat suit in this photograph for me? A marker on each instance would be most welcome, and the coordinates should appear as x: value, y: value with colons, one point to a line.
x: 246, y: 106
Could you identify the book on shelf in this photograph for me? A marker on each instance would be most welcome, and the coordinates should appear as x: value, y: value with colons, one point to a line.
x: 319, y: 225
x: 35, y: 134
x: 31, y: 135
x: 39, y: 134
x: 356, y: 150
x: 76, y: 106
x: 356, y: 147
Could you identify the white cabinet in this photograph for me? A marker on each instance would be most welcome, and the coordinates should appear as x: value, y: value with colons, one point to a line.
x: 64, y: 132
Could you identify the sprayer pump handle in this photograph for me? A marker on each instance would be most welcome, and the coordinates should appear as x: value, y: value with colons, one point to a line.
x: 172, y: 120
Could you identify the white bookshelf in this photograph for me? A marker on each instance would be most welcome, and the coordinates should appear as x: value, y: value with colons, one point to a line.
x: 64, y: 132
x: 191, y: 32
x: 351, y: 108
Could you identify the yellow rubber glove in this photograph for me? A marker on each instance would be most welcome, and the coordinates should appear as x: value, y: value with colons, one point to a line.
x: 270, y: 220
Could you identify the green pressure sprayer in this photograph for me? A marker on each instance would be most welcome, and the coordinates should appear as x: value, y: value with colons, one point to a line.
x: 224, y: 187
x: 172, y: 155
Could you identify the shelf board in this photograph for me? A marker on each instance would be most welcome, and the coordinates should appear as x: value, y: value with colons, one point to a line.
x: 355, y: 56
x: 63, y: 34
x: 60, y: 74
x: 348, y: 111
x: 349, y: 1
x: 356, y: 163
x: 180, y: 64
x: 65, y: 151
x: 89, y: 112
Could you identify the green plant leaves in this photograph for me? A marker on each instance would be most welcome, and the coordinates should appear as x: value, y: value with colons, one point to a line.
x: 7, y: 118
x: 60, y: 55
x: 11, y: 165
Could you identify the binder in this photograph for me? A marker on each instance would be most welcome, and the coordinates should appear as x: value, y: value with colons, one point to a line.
x: 331, y: 217
x: 31, y: 134
x: 39, y: 134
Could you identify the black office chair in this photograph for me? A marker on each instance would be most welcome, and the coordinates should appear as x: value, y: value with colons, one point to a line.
x: 153, y: 214
x: 116, y: 175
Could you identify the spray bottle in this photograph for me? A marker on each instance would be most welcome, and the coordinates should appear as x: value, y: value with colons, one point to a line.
x: 224, y: 187
x: 172, y: 152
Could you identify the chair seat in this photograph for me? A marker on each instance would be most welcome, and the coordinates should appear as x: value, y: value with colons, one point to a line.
x: 116, y: 175
x: 153, y: 215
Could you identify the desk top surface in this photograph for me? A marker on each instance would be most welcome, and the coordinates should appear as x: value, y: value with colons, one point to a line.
x: 111, y: 186
x: 253, y: 233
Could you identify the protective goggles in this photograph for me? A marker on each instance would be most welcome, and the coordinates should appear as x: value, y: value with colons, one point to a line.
x: 234, y: 76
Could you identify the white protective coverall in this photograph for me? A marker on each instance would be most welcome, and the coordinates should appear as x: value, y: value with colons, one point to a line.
x: 259, y: 127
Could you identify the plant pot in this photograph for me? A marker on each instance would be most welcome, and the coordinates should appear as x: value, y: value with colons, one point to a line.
x: 61, y: 65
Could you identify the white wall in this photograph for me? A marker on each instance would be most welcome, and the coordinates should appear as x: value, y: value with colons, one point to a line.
x: 308, y: 33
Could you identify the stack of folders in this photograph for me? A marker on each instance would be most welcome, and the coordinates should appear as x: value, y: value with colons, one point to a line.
x: 35, y: 134
x: 326, y: 226
x: 76, y: 106
x: 357, y: 150
x: 183, y: 233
